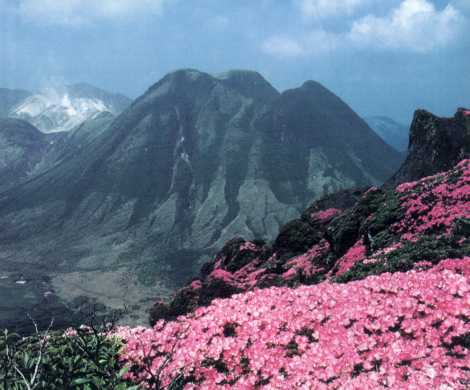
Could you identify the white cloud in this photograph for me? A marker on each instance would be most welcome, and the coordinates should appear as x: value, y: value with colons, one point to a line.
x: 415, y: 25
x: 77, y: 12
x: 328, y: 8
x: 282, y: 47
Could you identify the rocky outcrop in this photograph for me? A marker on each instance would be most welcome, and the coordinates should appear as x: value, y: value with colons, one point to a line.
x: 131, y: 211
x: 436, y: 145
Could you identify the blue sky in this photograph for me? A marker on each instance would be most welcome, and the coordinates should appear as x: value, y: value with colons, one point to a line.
x: 381, y: 56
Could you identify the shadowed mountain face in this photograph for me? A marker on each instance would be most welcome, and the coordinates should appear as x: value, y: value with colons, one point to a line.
x: 133, y: 210
x: 21, y: 148
x: 9, y: 98
x: 436, y: 144
x: 393, y: 133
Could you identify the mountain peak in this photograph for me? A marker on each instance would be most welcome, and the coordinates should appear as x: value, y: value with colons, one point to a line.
x: 238, y: 74
x: 189, y: 74
x: 249, y: 83
x: 314, y: 86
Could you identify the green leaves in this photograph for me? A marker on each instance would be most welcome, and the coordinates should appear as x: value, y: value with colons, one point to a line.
x: 86, y: 361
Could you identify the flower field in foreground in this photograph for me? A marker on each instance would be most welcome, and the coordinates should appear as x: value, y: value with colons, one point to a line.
x: 406, y: 330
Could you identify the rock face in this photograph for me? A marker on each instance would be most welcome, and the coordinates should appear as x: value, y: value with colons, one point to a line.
x: 436, y: 144
x: 62, y: 109
x: 132, y: 211
x: 393, y: 133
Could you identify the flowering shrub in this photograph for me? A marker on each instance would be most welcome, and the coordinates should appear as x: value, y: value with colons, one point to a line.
x: 399, y: 331
x: 386, y: 231
x: 325, y: 215
x: 432, y: 210
x: 355, y: 254
x: 433, y: 204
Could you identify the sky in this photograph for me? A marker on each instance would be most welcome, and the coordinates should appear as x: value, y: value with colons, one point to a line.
x: 383, y: 57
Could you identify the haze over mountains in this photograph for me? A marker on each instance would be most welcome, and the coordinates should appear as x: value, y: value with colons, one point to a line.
x: 393, y: 133
x: 122, y: 209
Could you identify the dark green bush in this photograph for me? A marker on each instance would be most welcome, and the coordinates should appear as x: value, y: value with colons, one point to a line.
x: 50, y: 360
x: 429, y: 248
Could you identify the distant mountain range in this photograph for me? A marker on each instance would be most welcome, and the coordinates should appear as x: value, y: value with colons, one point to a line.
x: 393, y: 133
x: 124, y: 208
x: 61, y: 108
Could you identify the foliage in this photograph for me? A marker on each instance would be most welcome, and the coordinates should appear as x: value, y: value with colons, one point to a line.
x: 83, y: 358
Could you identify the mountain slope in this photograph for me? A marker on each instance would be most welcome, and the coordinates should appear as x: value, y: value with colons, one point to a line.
x: 65, y: 145
x: 193, y: 162
x: 393, y: 133
x: 21, y: 148
x: 329, y: 147
x: 9, y: 98
x: 62, y: 109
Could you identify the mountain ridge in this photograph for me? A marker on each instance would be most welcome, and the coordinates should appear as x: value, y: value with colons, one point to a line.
x: 194, y: 161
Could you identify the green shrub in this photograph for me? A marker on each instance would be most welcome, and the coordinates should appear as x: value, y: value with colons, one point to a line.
x: 50, y: 360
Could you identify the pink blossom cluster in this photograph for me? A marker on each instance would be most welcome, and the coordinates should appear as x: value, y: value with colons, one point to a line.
x: 433, y: 204
x: 325, y: 215
x: 395, y: 331
x: 355, y: 254
x: 466, y: 112
x: 305, y: 263
x: 245, y: 278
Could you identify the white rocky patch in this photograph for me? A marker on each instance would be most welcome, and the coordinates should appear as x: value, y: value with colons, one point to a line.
x: 51, y: 111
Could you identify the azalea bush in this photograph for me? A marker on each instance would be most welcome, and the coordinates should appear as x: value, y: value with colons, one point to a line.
x: 387, y: 230
x: 396, y: 331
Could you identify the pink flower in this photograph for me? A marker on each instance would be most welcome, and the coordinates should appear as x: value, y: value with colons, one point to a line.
x: 389, y: 330
x: 354, y: 255
x: 325, y: 215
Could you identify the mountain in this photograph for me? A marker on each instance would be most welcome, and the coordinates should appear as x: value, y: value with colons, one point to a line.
x: 21, y: 148
x: 436, y: 144
x: 393, y: 133
x: 9, y: 98
x: 64, y: 108
x: 65, y: 145
x: 198, y: 159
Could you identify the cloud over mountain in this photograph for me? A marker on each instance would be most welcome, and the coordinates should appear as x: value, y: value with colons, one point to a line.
x: 414, y: 26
